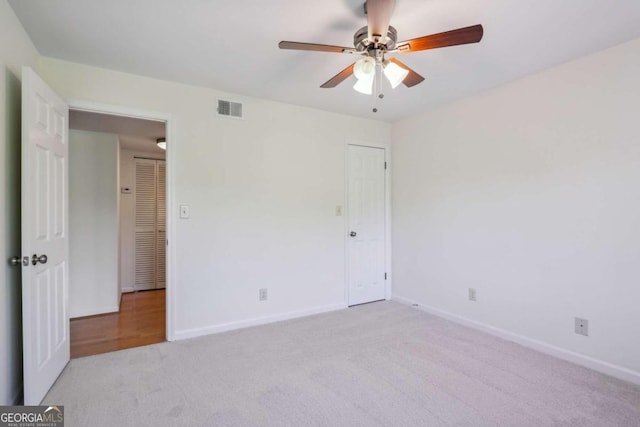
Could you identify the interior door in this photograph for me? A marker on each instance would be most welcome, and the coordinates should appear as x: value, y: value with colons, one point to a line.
x: 146, y: 225
x: 45, y: 240
x: 366, y: 224
x: 151, y: 218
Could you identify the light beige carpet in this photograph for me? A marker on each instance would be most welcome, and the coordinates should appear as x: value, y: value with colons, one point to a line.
x: 381, y: 364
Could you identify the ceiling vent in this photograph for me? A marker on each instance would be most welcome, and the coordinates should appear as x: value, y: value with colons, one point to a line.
x: 229, y: 109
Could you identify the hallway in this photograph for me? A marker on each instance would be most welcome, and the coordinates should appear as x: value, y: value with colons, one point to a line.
x: 140, y: 321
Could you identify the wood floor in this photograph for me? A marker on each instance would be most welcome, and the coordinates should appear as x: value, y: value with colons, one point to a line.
x: 140, y: 321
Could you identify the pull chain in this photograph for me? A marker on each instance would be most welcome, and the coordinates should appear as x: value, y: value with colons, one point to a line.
x: 378, y: 86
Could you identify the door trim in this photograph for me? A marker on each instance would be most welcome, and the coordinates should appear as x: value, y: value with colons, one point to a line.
x: 386, y: 146
x: 94, y: 107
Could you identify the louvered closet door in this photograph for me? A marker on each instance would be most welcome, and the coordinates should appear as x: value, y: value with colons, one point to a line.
x: 145, y: 239
x: 161, y: 225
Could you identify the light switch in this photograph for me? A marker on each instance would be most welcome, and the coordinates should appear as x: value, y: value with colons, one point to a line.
x: 338, y: 210
x: 184, y: 211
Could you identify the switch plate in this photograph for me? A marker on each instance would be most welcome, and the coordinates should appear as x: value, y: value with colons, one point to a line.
x: 472, y: 294
x: 184, y: 211
x: 582, y: 326
x: 262, y: 294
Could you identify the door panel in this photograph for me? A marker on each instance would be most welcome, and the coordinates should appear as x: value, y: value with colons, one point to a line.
x: 59, y: 209
x: 366, y: 218
x: 44, y: 232
x: 150, y: 232
x: 145, y: 260
x: 42, y: 306
x: 161, y: 254
x: 161, y: 242
x: 42, y: 193
x: 145, y: 238
x: 60, y: 329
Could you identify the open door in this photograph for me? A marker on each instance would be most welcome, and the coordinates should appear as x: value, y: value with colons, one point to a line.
x: 45, y: 240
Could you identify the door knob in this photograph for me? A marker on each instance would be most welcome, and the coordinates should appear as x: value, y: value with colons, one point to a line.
x: 15, y: 261
x: 353, y: 234
x: 35, y: 259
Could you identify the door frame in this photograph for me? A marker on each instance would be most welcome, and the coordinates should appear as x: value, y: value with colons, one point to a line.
x: 117, y: 110
x: 386, y: 146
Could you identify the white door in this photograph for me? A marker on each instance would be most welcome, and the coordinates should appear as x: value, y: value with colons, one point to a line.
x: 150, y: 231
x: 45, y: 240
x: 146, y: 226
x: 366, y: 224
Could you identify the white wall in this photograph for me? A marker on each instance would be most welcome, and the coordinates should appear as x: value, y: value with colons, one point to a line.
x: 93, y: 223
x: 128, y: 215
x: 16, y: 50
x: 529, y: 193
x: 262, y: 193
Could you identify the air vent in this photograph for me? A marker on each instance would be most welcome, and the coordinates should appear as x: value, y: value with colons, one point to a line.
x: 229, y: 109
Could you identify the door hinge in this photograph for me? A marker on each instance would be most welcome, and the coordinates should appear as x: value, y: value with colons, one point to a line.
x: 385, y: 165
x: 385, y: 276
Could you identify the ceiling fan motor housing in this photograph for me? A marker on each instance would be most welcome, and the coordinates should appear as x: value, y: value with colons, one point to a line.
x: 362, y: 43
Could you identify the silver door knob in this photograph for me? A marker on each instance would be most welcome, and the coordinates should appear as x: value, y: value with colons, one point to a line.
x: 15, y: 261
x: 35, y: 259
x: 353, y: 234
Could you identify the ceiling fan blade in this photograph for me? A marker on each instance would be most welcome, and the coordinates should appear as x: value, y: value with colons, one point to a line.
x: 460, y: 36
x: 412, y: 78
x: 378, y: 18
x: 338, y: 78
x: 313, y: 47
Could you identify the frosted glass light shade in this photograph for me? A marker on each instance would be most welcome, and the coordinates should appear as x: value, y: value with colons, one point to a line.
x: 161, y: 143
x: 365, y: 68
x: 395, y: 74
x: 364, y: 86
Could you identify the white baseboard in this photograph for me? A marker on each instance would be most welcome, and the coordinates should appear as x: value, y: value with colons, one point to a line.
x: 215, y: 329
x: 543, y: 347
x: 103, y: 310
x: 127, y: 290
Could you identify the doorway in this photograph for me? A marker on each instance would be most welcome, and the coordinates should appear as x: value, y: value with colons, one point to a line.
x: 45, y: 233
x: 117, y: 232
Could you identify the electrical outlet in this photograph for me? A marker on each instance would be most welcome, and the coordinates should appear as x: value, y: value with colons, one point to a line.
x: 472, y: 294
x: 582, y: 327
x: 263, y: 294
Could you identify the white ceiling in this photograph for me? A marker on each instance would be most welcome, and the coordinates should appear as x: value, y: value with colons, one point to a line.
x: 233, y: 45
x: 135, y: 134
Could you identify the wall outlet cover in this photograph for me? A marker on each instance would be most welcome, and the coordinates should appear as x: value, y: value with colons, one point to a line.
x: 582, y: 326
x: 184, y: 211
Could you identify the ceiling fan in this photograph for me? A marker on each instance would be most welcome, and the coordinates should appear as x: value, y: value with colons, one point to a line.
x: 379, y: 39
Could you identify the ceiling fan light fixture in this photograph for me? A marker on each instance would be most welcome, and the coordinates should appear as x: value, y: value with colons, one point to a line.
x: 395, y: 74
x: 161, y: 143
x: 364, y: 86
x: 365, y: 68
